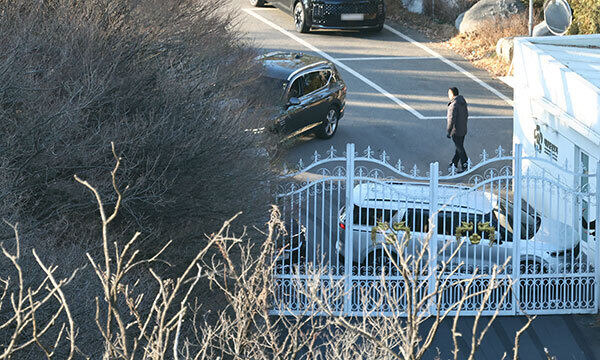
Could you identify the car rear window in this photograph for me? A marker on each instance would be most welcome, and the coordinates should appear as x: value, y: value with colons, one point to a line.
x: 315, y: 80
x: 370, y: 217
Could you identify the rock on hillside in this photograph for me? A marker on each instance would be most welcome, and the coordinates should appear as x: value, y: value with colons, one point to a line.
x: 486, y: 10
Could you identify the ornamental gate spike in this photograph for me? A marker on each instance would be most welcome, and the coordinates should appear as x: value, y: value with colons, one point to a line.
x: 399, y: 165
x: 331, y: 152
x: 452, y: 169
x: 368, y: 152
x: 316, y: 156
x: 415, y: 171
x: 384, y: 156
x: 483, y: 156
x: 499, y: 151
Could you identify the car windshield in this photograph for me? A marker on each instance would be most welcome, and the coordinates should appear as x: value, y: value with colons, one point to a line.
x: 530, y: 219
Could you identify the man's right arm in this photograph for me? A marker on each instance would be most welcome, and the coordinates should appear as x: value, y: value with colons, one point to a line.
x: 451, y: 118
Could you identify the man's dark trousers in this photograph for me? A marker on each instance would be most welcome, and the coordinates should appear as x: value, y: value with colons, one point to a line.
x: 459, y: 153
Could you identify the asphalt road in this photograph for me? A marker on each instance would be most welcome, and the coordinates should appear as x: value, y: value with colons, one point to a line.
x: 397, y: 95
x: 397, y: 90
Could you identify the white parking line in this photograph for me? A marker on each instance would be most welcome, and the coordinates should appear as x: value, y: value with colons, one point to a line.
x: 337, y: 63
x: 378, y: 88
x: 453, y: 65
x: 470, y: 117
x: 388, y: 58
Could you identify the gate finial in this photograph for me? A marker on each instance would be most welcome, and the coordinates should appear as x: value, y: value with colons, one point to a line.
x: 316, y: 157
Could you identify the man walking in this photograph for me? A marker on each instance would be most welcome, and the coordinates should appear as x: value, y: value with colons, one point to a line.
x: 457, y: 127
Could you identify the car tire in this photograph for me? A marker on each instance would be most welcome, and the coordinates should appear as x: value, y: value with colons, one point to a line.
x: 257, y: 3
x: 378, y: 262
x: 377, y: 29
x: 330, y: 124
x: 300, y: 18
x: 533, y: 267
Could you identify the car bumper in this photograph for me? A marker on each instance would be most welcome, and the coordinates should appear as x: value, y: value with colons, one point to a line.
x: 346, y: 27
x: 330, y: 14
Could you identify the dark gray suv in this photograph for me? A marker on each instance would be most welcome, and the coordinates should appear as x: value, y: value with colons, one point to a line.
x: 313, y: 94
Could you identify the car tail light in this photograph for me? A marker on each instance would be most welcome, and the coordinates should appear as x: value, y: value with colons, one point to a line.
x: 343, y: 226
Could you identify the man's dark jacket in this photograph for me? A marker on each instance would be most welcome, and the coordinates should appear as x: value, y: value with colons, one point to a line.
x: 457, y: 116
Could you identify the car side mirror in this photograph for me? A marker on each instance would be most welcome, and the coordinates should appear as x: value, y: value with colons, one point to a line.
x: 293, y: 101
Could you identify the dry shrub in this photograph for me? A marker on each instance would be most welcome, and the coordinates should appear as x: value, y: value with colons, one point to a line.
x: 137, y: 313
x: 586, y: 17
x: 423, y: 23
x: 168, y: 81
x: 446, y: 11
x: 479, y: 46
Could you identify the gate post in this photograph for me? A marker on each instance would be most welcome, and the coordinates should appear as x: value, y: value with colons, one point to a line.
x: 597, y: 238
x: 517, y: 185
x: 348, y: 243
x: 433, y: 248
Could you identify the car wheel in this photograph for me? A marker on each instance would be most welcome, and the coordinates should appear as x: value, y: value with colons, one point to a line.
x: 300, y: 18
x: 329, y: 126
x: 377, y: 29
x: 533, y: 267
x: 378, y: 262
x: 257, y: 3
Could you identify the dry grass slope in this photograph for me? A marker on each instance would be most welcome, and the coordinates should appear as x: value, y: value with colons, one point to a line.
x: 480, y: 47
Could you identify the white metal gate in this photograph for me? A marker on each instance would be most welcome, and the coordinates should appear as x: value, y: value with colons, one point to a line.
x: 351, y: 219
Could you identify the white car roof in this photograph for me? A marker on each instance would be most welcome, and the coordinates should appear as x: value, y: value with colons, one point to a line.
x: 400, y: 195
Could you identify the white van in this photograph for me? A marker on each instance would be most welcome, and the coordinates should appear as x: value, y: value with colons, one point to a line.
x: 544, y: 243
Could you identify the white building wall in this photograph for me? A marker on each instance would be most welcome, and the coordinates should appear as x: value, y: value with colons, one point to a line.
x: 561, y: 105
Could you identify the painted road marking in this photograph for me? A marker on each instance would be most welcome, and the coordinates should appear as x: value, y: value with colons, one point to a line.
x: 470, y: 117
x: 378, y: 88
x: 337, y: 63
x: 453, y: 65
x: 388, y: 58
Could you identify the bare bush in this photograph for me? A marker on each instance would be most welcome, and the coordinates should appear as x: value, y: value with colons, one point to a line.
x: 168, y: 82
x: 586, y: 17
x: 141, y: 314
x: 479, y: 46
x: 424, y: 23
x: 446, y: 11
x: 21, y: 325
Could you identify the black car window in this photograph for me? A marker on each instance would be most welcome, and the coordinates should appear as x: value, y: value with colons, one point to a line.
x: 325, y: 76
x: 295, y: 89
x: 369, y: 216
x: 313, y: 81
x: 417, y: 220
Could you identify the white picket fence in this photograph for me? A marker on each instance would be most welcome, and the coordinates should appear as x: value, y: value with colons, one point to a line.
x: 351, y: 219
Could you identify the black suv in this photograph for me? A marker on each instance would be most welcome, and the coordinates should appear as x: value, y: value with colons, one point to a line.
x: 313, y: 94
x: 332, y: 14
